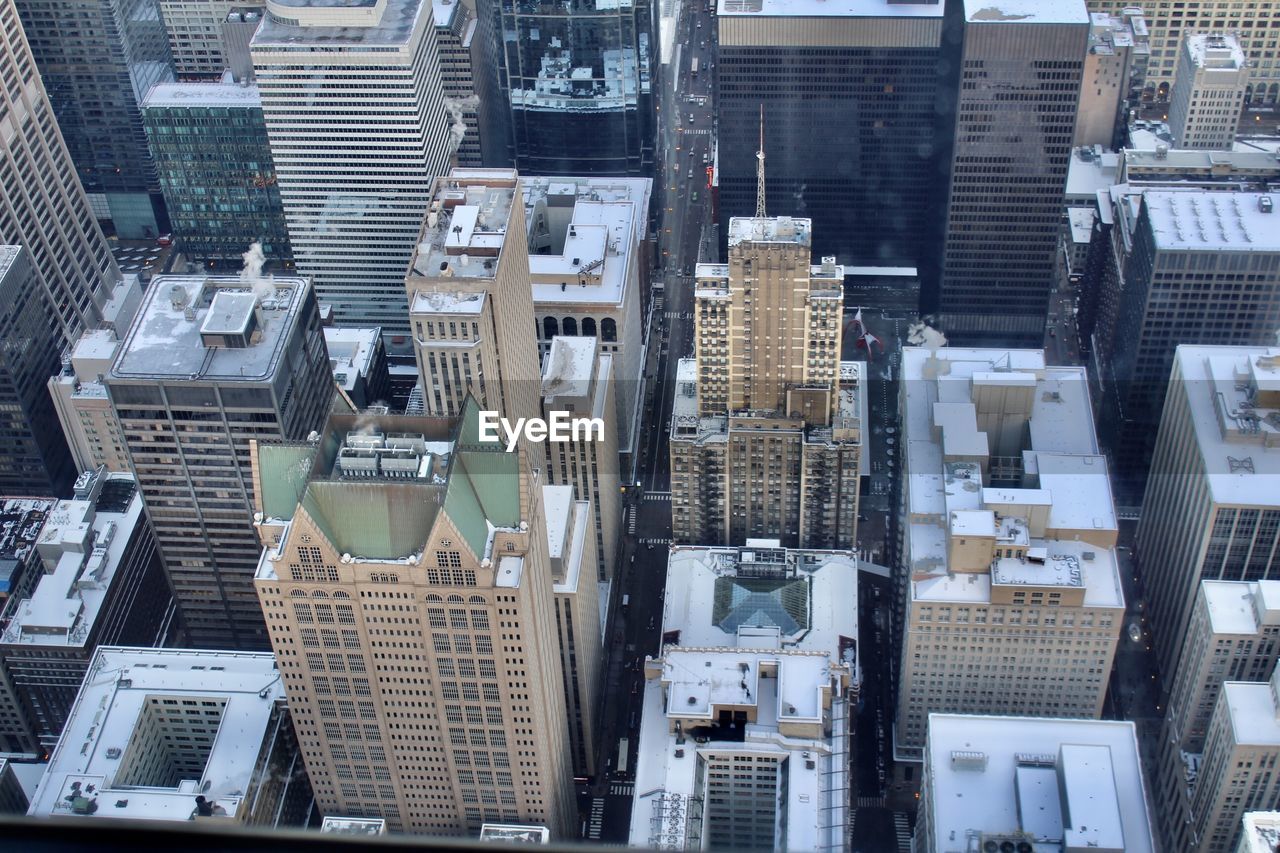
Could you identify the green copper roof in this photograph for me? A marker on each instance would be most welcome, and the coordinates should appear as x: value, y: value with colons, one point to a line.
x: 284, y: 469
x: 484, y: 483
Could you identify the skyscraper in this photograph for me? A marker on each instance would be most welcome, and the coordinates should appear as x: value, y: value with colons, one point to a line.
x: 1118, y: 52
x: 355, y: 112
x: 460, y: 61
x: 194, y: 30
x: 578, y: 79
x: 98, y: 59
x: 848, y: 93
x: 209, y: 366
x: 1007, y: 168
x: 1209, y: 94
x: 766, y: 425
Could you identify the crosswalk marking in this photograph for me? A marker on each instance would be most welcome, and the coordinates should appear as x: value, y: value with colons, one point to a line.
x: 622, y: 790
x: 870, y: 802
x: 903, y: 831
x: 697, y: 130
x: 655, y: 541
x: 631, y: 523
x: 657, y: 496
x: 596, y: 821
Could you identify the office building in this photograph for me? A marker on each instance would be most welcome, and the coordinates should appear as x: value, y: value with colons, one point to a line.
x: 578, y: 378
x: 1118, y: 47
x: 1261, y: 833
x: 571, y: 553
x: 359, y: 362
x: 1006, y: 168
x: 470, y: 306
x: 178, y: 735
x: 1210, y: 511
x: 210, y: 365
x: 580, y: 85
x: 857, y: 153
x: 1251, y: 171
x: 766, y: 428
x: 1208, y: 96
x: 354, y: 173
x: 1011, y: 589
x: 588, y: 254
x: 459, y: 57
x: 98, y: 60
x: 745, y: 717
x: 399, y: 545
x: 213, y: 158
x: 101, y: 584
x: 80, y: 397
x: 34, y: 458
x: 1235, y: 774
x: 1046, y: 784
x: 21, y: 520
x: 1202, y: 268
x: 1251, y: 23
x: 194, y: 30
x: 54, y: 223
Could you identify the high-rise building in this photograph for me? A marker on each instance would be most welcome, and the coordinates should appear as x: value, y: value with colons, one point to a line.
x: 1261, y: 832
x: 1118, y: 52
x: 745, y: 718
x: 578, y: 378
x: 210, y: 365
x: 1166, y: 24
x: 101, y: 584
x: 355, y: 112
x: 98, y: 59
x: 766, y: 425
x: 1011, y: 589
x: 857, y: 153
x: 398, y: 546
x: 1209, y: 94
x: 580, y: 82
x: 34, y: 458
x: 50, y: 217
x: 178, y: 735
x: 1181, y: 283
x: 1057, y: 784
x: 1235, y: 774
x: 212, y: 155
x: 459, y: 58
x: 21, y: 520
x: 80, y: 398
x: 194, y: 30
x: 588, y: 255
x: 1211, y: 511
x: 359, y: 361
x: 1006, y: 168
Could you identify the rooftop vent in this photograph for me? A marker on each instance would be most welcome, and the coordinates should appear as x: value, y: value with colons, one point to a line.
x: 178, y: 297
x: 1264, y: 203
x: 968, y: 760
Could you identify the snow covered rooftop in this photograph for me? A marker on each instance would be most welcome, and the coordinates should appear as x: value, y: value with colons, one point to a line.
x: 1205, y: 220
x: 1261, y: 833
x: 1252, y: 711
x: 465, y: 228
x: 338, y: 24
x: 569, y: 367
x: 231, y: 95
x: 81, y: 546
x: 1215, y: 51
x: 1090, y: 170
x: 1235, y: 410
x: 351, y: 352
x: 105, y: 764
x: 1240, y: 607
x: 1026, y: 12
x: 771, y: 229
x: 831, y: 8
x: 169, y: 338
x: 1072, y: 783
x: 1081, y: 220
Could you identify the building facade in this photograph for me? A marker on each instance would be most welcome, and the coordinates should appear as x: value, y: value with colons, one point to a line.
x: 209, y: 366
x: 213, y: 158
x: 1011, y: 587
x: 1209, y: 95
x: 354, y: 182
x: 1209, y: 513
x: 194, y: 30
x: 98, y: 59
x: 459, y: 57
x: 1007, y: 167
x: 857, y: 152
x: 101, y: 584
x: 88, y: 423
x: 766, y: 426
x: 21, y: 520
x: 1113, y: 71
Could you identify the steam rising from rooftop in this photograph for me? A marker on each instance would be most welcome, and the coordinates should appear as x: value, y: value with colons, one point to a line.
x: 251, y: 273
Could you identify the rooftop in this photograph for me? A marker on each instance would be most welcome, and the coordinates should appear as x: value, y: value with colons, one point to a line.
x: 1261, y: 833
x: 569, y: 367
x: 1074, y: 782
x: 1253, y: 713
x: 106, y: 762
x: 171, y: 336
x: 1235, y: 410
x: 1207, y: 220
x: 1143, y: 161
x: 1215, y: 51
x: 1090, y: 170
x: 465, y: 227
x: 1025, y: 12
x: 830, y: 8
x: 1241, y: 607
x: 232, y: 95
x: 338, y: 23
x: 1081, y: 220
x: 81, y: 546
x: 354, y: 826
x: 771, y: 229
x: 21, y: 520
x: 351, y: 352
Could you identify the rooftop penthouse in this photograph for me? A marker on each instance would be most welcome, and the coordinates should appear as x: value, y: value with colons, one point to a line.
x: 466, y: 225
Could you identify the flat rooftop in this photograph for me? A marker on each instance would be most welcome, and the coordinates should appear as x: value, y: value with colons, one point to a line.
x: 1025, y: 12
x: 81, y: 546
x: 338, y: 23
x: 1143, y: 161
x: 466, y: 225
x: 165, y: 340
x: 97, y: 768
x: 1215, y: 51
x: 829, y: 9
x: 569, y: 367
x: 230, y: 95
x: 1090, y: 170
x: 1261, y: 832
x: 771, y: 229
x: 351, y: 352
x: 1241, y: 456
x: 1254, y: 716
x: 1002, y: 775
x: 1205, y: 220
x: 1241, y: 607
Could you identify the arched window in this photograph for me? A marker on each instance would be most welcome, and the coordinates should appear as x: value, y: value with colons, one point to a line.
x: 297, y: 593
x: 588, y: 327
x: 477, y: 599
x: 1273, y: 91
x: 608, y: 330
x: 340, y: 594
x: 570, y: 326
x: 319, y: 593
x: 455, y: 599
x: 434, y: 597
x: 549, y: 327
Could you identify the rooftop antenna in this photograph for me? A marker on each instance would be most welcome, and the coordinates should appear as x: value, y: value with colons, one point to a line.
x: 760, y: 170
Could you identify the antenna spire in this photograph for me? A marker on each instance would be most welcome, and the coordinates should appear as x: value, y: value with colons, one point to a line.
x: 760, y: 170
